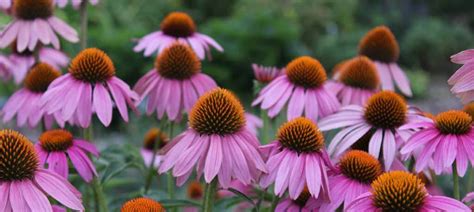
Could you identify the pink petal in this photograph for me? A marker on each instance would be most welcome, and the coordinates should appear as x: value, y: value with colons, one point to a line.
x: 58, y: 188
x: 102, y: 104
x: 34, y: 197
x: 213, y: 159
x: 17, y: 200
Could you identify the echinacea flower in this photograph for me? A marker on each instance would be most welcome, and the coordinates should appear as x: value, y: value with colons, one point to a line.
x: 25, y: 186
x: 304, y: 203
x: 356, y: 171
x: 75, y: 3
x: 380, y: 118
x: 356, y: 81
x: 254, y: 123
x: 142, y: 204
x: 87, y: 89
x: 23, y: 61
x: 381, y: 46
x: 402, y: 191
x: 337, y: 68
x: 33, y: 23
x: 24, y: 103
x: 446, y: 140
x: 5, y: 67
x: 56, y: 146
x: 175, y: 84
x: 264, y: 74
x: 153, y: 137
x: 298, y: 158
x: 461, y: 80
x: 216, y: 142
x: 426, y: 179
x: 303, y: 86
x: 177, y: 26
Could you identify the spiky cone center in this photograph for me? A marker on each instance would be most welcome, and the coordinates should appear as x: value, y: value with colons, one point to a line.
x: 303, y: 197
x: 398, y: 191
x: 469, y: 109
x: 40, y: 77
x: 56, y: 140
x: 18, y: 159
x: 92, y: 65
x: 178, y: 24
x: 195, y: 190
x: 301, y: 135
x: 361, y: 166
x: 178, y: 62
x: 453, y: 122
x: 386, y: 110
x: 217, y: 112
x: 154, y: 136
x: 360, y: 72
x: 142, y: 204
x: 306, y: 71
x: 32, y: 9
x: 380, y: 44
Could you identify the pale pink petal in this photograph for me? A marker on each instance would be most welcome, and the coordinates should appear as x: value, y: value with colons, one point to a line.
x: 58, y: 188
x: 213, y: 159
x: 17, y: 201
x: 102, y: 104
x: 35, y: 198
x: 400, y: 79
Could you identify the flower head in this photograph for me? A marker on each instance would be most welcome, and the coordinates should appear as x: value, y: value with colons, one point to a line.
x: 142, y: 204
x: 175, y: 83
x: 304, y: 86
x: 177, y: 26
x: 56, y: 146
x: 34, y: 22
x: 380, y: 45
x: 266, y: 74
x: 195, y: 190
x: 90, y: 87
x: 217, y: 141
x: 377, y: 123
x: 24, y: 104
x: 356, y: 81
x: 356, y: 171
x: 402, y: 191
x: 24, y: 183
x: 441, y: 142
x: 298, y: 158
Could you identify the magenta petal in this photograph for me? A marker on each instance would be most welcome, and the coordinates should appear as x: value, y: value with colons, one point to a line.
x: 82, y: 163
x: 4, y: 198
x: 445, y: 204
x: 313, y: 175
x: 34, y: 197
x: 89, y: 147
x: 17, y: 200
x: 102, y: 104
x: 119, y: 100
x: 213, y: 159
x: 58, y: 188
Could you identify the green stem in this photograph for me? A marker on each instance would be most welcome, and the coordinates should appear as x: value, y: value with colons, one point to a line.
x: 470, y: 179
x: 83, y: 14
x: 151, y: 169
x: 275, y: 201
x: 265, y: 128
x: 456, y: 193
x: 169, y: 177
x: 209, y: 196
x: 99, y: 196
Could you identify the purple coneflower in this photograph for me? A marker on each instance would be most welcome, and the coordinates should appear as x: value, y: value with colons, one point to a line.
x: 303, y: 86
x: 56, y: 146
x: 35, y: 23
x: 24, y: 185
x: 462, y: 78
x: 142, y: 204
x: 23, y: 61
x: 88, y: 88
x: 175, y: 84
x: 216, y: 142
x: 264, y: 74
x: 298, y: 158
x: 446, y: 140
x: 381, y: 46
x: 304, y: 203
x: 355, y: 172
x: 153, y: 137
x: 24, y: 103
x: 356, y: 81
x: 402, y: 191
x: 380, y: 120
x: 177, y: 26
